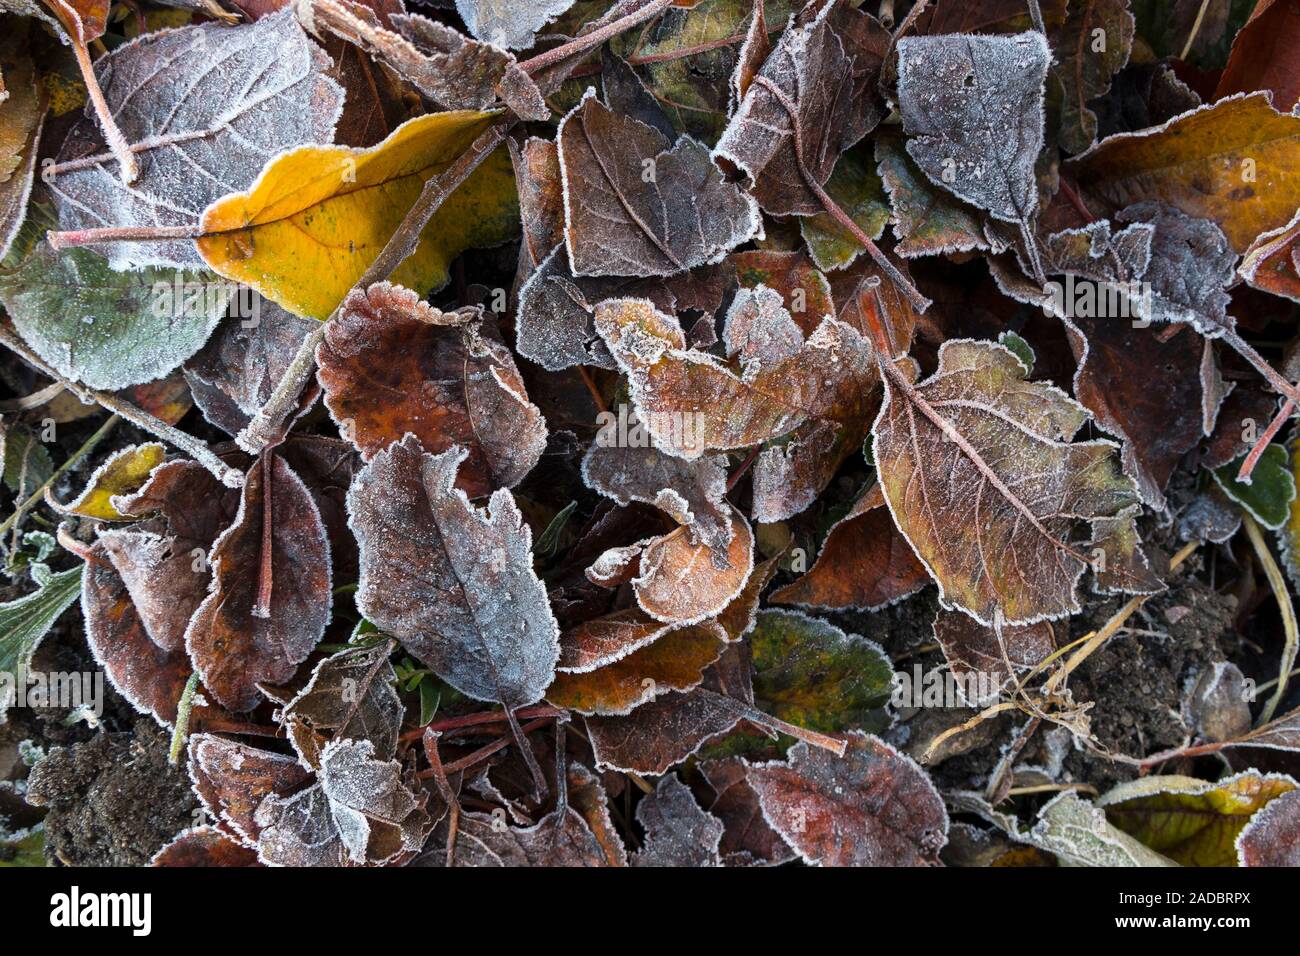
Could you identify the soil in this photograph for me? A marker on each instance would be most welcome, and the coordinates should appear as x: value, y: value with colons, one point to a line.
x: 113, y: 800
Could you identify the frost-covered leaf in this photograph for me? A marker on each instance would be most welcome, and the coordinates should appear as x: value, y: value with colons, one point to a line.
x: 864, y: 563
x: 232, y: 779
x: 123, y: 473
x: 693, y: 403
x: 1077, y: 832
x: 683, y: 582
x: 392, y: 365
x: 857, y: 189
x: 164, y: 562
x: 261, y: 88
x: 150, y: 677
x: 1272, y: 263
x: 1192, y: 822
x: 677, y: 831
x: 203, y: 846
x: 318, y: 216
x: 269, y: 600
x: 637, y: 205
x: 1272, y: 837
x: 362, y: 812
x: 24, y: 622
x: 826, y: 70
x: 691, y: 492
x: 672, y: 661
x: 452, y: 70
x: 871, y: 807
x: 927, y: 220
x: 976, y: 652
x: 350, y: 696
x: 454, y: 583
x: 746, y: 838
x: 1271, y: 489
x: 236, y: 372
x: 109, y: 329
x: 812, y: 674
x: 508, y: 24
x: 979, y: 472
x: 972, y: 107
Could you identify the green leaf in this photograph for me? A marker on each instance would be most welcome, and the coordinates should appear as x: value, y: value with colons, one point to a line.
x: 810, y: 673
x: 24, y: 622
x: 107, y: 329
x: 1271, y: 490
x: 27, y: 463
x: 1020, y: 348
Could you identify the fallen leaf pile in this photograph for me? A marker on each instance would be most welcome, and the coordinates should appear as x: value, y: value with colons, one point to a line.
x: 661, y: 432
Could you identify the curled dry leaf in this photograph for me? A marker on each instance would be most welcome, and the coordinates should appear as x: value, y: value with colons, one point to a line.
x: 123, y: 473
x: 826, y: 69
x: 203, y: 846
x: 682, y: 582
x: 1272, y: 837
x: 636, y: 205
x: 454, y: 583
x: 392, y: 365
x: 979, y: 472
x: 871, y: 807
x: 692, y: 403
x: 232, y: 779
x: 258, y: 626
x: 362, y: 812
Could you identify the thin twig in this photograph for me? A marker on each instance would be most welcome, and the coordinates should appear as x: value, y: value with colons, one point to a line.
x: 593, y: 39
x: 230, y: 477
x: 1257, y: 452
x: 1196, y: 28
x: 1284, y: 605
x: 181, y: 731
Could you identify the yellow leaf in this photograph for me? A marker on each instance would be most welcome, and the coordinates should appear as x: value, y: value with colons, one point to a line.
x: 318, y: 216
x: 1192, y: 822
x: 122, y: 474
x: 1236, y: 162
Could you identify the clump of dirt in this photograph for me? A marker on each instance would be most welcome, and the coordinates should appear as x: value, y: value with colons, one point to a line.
x: 113, y: 800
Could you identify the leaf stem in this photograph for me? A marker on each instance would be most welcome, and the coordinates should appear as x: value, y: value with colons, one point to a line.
x: 596, y: 37
x: 230, y: 477
x: 1284, y: 605
x: 128, y: 169
x: 87, y: 447
x: 90, y: 237
x: 1271, y: 375
x: 1257, y: 452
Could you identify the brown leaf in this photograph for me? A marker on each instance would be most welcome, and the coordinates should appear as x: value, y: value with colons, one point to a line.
x: 746, y: 838
x: 864, y: 563
x: 636, y: 205
x: 392, y: 365
x: 978, y: 657
x: 826, y: 68
x: 203, y: 846
x: 362, y: 812
x: 980, y: 475
x: 683, y: 583
x: 1266, y: 55
x: 236, y: 372
x: 453, y: 583
x: 232, y: 780
x: 270, y: 597
x: 164, y: 562
x: 673, y: 661
x: 871, y: 807
x: 1272, y: 837
x: 691, y: 402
